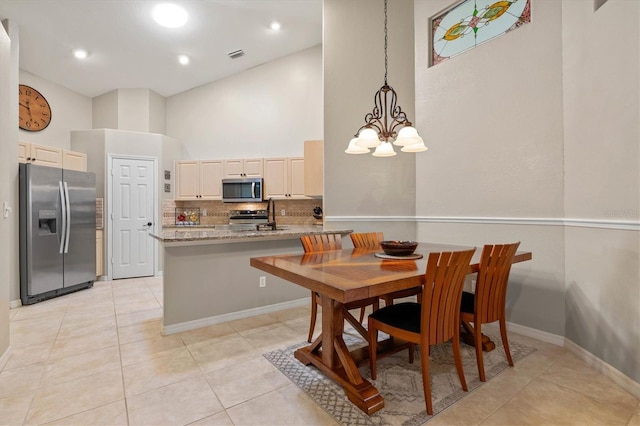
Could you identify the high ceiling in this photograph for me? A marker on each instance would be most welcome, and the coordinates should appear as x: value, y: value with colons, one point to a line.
x: 127, y: 49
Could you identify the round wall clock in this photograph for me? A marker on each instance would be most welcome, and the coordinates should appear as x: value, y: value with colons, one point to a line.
x: 35, y: 112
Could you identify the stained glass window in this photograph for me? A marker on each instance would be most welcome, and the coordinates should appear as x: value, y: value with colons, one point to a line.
x: 474, y: 22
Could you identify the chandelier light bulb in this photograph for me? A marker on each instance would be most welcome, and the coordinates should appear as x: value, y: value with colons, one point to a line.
x: 416, y: 147
x: 385, y: 149
x: 354, y: 148
x: 368, y: 138
x: 408, y: 135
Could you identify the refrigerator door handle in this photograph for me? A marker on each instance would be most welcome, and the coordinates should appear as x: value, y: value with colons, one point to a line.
x: 63, y: 212
x: 68, y: 210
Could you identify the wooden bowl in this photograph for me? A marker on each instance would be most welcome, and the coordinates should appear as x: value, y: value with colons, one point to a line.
x: 399, y: 248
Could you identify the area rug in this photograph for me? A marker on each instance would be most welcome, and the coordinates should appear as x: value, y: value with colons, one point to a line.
x: 399, y: 382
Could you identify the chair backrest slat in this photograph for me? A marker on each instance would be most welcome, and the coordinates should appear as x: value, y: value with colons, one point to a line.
x: 366, y: 239
x: 493, y: 278
x: 321, y: 242
x: 442, y: 292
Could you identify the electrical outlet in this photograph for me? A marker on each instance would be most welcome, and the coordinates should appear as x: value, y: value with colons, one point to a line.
x: 283, y: 212
x: 263, y: 281
x: 204, y: 212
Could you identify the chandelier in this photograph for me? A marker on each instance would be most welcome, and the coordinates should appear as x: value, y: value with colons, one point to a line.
x: 387, y: 124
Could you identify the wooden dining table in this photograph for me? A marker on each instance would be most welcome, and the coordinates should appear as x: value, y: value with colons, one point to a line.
x: 342, y: 276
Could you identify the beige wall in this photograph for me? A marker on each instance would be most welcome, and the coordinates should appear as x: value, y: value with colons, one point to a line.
x: 267, y: 111
x: 602, y: 180
x: 8, y: 175
x: 493, y: 116
x: 534, y: 137
x: 362, y: 191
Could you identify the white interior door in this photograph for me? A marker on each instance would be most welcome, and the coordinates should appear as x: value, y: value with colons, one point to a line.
x: 133, y: 187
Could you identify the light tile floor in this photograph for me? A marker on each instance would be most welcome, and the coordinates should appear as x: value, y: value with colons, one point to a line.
x: 96, y: 357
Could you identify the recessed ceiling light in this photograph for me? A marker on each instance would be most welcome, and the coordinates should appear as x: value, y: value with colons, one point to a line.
x: 80, y: 53
x: 169, y: 15
x: 183, y: 59
x: 275, y: 25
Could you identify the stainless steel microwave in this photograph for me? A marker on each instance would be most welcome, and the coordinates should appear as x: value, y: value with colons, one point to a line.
x: 242, y: 190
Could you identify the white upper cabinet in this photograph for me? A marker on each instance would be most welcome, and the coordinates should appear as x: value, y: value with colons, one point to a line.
x: 284, y: 178
x: 314, y: 168
x: 199, y: 180
x: 72, y: 160
x: 248, y: 167
x: 51, y: 156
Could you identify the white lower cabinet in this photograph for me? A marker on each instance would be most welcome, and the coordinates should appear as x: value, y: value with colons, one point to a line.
x: 99, y: 253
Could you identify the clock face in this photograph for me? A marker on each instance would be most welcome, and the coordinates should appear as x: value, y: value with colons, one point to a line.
x: 34, y: 110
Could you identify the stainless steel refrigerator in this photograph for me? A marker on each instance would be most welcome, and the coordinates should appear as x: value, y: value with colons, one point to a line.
x: 57, y: 232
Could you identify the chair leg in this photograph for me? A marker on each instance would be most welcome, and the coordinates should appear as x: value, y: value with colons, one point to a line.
x: 458, y: 359
x: 376, y: 306
x: 426, y: 377
x: 373, y: 348
x: 412, y: 350
x: 314, y: 314
x: 477, y: 334
x: 505, y: 341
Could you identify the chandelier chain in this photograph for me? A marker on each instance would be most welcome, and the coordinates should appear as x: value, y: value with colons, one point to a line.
x: 386, y: 59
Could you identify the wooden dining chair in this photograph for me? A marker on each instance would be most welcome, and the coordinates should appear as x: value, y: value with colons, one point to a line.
x: 372, y: 240
x: 435, y: 320
x: 487, y: 304
x: 326, y: 242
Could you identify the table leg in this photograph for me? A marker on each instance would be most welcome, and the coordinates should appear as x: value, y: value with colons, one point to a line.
x: 467, y: 336
x: 329, y: 353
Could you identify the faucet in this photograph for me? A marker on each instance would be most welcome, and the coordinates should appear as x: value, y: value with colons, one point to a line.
x: 271, y: 216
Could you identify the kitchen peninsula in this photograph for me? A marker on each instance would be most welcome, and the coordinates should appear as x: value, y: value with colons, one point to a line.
x: 208, y: 280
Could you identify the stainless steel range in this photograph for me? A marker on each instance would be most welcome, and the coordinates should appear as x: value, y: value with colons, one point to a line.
x: 240, y: 220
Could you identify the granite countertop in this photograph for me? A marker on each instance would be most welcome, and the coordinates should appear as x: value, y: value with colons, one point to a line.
x: 190, y: 235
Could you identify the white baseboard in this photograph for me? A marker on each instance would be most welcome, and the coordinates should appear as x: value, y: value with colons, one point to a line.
x: 611, y: 372
x: 543, y: 336
x: 15, y: 304
x: 204, y: 322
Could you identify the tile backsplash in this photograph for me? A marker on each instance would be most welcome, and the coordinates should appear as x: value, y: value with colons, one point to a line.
x: 297, y: 212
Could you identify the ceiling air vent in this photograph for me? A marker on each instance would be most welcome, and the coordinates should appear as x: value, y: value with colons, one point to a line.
x: 236, y: 54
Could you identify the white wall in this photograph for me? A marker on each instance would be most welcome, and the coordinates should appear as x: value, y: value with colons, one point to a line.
x: 136, y: 110
x: 157, y: 113
x: 267, y: 111
x: 105, y: 111
x: 100, y: 143
x: 69, y: 111
x: 364, y: 192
